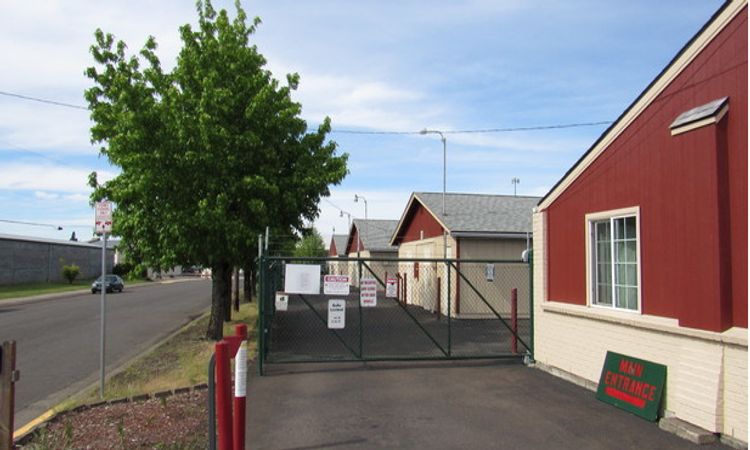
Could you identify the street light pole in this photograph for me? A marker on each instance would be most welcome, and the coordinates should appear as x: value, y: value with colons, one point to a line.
x: 445, y: 166
x: 515, y: 182
x: 442, y: 138
x: 356, y: 199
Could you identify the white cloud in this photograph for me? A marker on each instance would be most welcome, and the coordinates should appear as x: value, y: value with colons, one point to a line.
x: 46, y: 178
x: 42, y: 195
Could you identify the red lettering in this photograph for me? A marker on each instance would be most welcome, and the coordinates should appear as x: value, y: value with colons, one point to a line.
x: 626, y: 384
x: 624, y: 365
x: 651, y: 393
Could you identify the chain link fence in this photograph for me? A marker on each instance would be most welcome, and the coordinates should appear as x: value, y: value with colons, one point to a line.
x: 403, y: 309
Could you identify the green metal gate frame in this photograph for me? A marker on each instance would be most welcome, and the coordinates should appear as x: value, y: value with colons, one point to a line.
x: 269, y: 285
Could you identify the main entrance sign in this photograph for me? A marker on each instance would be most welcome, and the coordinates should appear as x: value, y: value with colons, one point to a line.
x: 632, y: 384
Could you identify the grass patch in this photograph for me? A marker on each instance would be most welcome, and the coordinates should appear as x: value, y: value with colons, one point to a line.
x: 31, y: 289
x: 179, y: 362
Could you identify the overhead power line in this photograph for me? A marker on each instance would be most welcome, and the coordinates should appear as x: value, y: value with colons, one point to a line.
x: 43, y: 100
x: 483, y: 130
x: 468, y: 131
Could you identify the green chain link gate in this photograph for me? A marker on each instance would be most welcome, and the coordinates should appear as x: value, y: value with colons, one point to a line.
x: 418, y: 309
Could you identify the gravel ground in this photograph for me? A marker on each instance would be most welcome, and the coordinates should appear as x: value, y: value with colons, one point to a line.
x: 175, y: 422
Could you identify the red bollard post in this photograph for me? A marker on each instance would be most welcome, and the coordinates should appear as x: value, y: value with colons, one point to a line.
x: 223, y: 393
x: 240, y: 387
x: 514, y: 319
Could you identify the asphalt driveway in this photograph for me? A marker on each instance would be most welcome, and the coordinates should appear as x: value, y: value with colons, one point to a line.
x: 445, y: 405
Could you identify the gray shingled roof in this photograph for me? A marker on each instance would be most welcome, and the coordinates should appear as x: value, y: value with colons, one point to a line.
x: 376, y: 234
x: 480, y: 213
x: 339, y: 240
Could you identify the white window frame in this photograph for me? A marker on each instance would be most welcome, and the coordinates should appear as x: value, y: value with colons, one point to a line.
x: 591, y: 257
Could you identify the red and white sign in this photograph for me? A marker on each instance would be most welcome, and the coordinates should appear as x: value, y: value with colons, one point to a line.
x: 336, y: 284
x: 368, y: 292
x: 103, y: 217
x: 391, y: 287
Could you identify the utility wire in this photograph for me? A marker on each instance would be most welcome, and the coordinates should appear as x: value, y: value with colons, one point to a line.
x: 371, y: 132
x: 483, y: 130
x: 18, y: 222
x: 42, y: 100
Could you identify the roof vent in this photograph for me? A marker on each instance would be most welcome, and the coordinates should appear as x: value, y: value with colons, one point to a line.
x: 701, y: 116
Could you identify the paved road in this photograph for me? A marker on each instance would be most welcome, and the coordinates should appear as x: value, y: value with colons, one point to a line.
x: 58, y: 339
x: 445, y: 405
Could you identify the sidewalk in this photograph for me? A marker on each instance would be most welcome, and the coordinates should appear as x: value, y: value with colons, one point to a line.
x: 441, y: 405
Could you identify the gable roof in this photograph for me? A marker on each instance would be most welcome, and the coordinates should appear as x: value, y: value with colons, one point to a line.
x: 338, y: 241
x: 690, y: 51
x: 468, y: 214
x: 374, y: 233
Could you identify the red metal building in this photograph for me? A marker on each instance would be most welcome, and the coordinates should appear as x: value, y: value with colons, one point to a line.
x: 643, y: 243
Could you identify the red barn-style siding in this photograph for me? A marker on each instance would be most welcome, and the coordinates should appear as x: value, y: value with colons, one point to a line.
x: 691, y: 190
x: 420, y: 224
x: 351, y: 245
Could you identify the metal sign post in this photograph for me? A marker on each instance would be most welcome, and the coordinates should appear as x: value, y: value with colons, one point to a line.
x: 103, y: 225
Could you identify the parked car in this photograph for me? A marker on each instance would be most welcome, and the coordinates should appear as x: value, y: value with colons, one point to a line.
x: 113, y: 283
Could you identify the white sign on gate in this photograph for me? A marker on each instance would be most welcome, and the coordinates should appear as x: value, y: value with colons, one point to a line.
x: 302, y: 279
x: 336, y: 314
x: 489, y: 272
x: 103, y: 217
x: 368, y: 292
x: 336, y: 284
x: 391, y: 287
x: 282, y: 301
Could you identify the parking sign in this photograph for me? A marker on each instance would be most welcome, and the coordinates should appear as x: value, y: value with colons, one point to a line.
x: 103, y: 217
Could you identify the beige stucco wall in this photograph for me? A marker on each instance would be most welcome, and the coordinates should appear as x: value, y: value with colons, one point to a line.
x: 379, y: 268
x: 426, y: 290
x: 706, y: 371
x: 507, y: 277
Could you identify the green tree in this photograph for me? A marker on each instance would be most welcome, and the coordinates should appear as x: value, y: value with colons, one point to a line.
x: 210, y: 152
x: 311, y: 245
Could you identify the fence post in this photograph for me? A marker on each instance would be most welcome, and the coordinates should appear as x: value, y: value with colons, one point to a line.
x: 223, y: 393
x: 531, y: 304
x: 514, y: 320
x: 438, y: 298
x: 261, y: 313
x: 8, y: 377
x: 240, y: 387
x: 212, y: 402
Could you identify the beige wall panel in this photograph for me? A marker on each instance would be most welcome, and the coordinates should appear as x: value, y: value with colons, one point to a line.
x: 735, y: 392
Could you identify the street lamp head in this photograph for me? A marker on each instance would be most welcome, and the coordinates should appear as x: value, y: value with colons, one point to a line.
x: 424, y: 131
x: 341, y: 213
x: 356, y: 198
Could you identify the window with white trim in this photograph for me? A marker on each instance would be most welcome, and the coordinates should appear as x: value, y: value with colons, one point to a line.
x: 615, y: 262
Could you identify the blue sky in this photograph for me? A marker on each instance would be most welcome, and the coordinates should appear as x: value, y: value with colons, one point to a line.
x: 370, y: 66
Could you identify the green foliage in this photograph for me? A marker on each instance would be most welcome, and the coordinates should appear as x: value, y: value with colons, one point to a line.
x: 70, y: 272
x: 122, y: 269
x: 210, y: 152
x: 311, y: 245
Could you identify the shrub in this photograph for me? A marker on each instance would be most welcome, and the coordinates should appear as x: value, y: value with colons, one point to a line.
x: 70, y: 272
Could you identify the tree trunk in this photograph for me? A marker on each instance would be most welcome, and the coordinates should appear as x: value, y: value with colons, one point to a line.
x: 228, y: 296
x: 220, y: 290
x: 236, y: 289
x: 248, y: 284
